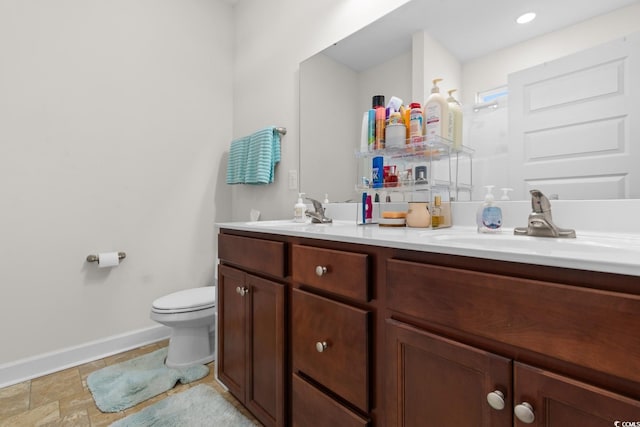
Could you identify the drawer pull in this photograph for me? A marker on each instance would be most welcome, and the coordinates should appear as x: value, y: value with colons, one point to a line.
x: 242, y: 291
x: 321, y: 346
x: 524, y: 412
x: 321, y: 270
x: 496, y: 400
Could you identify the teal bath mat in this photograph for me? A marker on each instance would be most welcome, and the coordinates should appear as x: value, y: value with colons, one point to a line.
x: 199, y: 406
x: 123, y: 385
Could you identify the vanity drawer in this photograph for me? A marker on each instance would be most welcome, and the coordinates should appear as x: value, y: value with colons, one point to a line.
x: 311, y: 407
x: 330, y: 344
x: 584, y: 326
x: 261, y: 255
x: 345, y: 273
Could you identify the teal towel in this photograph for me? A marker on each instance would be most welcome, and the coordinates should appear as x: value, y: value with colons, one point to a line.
x: 262, y: 156
x: 252, y: 159
x: 237, y: 160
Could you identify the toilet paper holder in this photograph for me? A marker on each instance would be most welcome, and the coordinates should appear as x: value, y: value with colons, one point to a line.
x: 96, y: 258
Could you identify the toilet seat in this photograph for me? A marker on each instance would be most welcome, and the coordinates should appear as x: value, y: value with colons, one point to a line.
x: 187, y: 300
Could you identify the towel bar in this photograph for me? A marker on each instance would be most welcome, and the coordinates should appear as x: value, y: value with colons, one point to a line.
x: 282, y: 131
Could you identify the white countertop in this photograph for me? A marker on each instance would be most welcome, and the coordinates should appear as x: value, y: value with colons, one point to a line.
x: 591, y: 250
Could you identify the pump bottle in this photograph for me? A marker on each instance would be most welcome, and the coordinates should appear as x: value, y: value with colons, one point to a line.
x: 299, y: 209
x: 489, y: 216
x: 436, y: 114
x: 455, y: 121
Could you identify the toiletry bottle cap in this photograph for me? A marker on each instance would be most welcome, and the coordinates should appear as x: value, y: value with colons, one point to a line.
x: 415, y: 105
x: 451, y: 98
x: 435, y: 88
x: 377, y: 101
x: 489, y: 196
x: 300, y: 197
x: 505, y: 193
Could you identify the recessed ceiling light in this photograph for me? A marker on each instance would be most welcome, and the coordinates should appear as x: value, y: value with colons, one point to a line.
x: 526, y: 17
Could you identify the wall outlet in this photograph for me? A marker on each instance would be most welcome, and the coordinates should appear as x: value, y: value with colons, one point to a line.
x: 293, y: 179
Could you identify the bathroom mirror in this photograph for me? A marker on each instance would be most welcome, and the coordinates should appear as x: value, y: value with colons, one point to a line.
x: 478, y: 49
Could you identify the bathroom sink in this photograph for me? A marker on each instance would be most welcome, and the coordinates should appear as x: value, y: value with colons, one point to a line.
x: 289, y: 223
x: 586, y: 244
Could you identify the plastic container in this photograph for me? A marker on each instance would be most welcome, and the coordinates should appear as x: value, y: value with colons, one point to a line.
x: 299, y: 209
x: 415, y: 123
x: 436, y: 114
x: 455, y: 121
x: 489, y: 216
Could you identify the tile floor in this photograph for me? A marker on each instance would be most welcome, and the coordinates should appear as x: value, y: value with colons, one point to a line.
x: 63, y: 399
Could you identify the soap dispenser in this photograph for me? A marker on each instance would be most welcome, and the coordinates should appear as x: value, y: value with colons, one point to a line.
x: 299, y: 209
x: 436, y: 114
x: 489, y: 216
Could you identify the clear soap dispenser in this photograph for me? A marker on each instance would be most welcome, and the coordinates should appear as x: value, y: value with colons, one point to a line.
x: 489, y: 216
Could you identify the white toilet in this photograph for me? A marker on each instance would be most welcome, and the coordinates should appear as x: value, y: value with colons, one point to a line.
x: 191, y: 315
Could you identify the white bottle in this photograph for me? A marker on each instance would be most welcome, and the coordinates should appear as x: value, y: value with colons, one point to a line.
x: 455, y: 121
x: 436, y: 114
x: 299, y: 209
x: 489, y: 216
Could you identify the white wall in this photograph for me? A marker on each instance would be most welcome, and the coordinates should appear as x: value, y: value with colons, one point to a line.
x: 114, y: 119
x: 272, y: 38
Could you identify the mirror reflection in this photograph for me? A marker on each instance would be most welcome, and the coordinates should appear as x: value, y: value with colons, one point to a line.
x: 548, y: 104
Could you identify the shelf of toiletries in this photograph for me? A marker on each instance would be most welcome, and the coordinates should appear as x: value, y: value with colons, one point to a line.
x: 411, y: 167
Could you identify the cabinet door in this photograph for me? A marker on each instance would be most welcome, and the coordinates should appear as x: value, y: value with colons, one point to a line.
x: 555, y: 400
x: 435, y: 382
x: 266, y: 353
x: 232, y: 331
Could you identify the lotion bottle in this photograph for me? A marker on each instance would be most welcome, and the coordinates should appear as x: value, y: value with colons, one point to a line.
x: 298, y: 209
x: 489, y: 216
x: 436, y: 114
x: 455, y: 121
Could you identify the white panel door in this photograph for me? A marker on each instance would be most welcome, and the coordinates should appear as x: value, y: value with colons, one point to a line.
x: 574, y: 124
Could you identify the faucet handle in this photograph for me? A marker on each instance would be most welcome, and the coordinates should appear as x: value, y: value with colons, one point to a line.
x: 317, y: 206
x: 540, y: 203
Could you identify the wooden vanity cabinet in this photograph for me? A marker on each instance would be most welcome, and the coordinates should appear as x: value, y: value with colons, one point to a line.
x: 330, y: 337
x: 435, y: 380
x: 252, y: 329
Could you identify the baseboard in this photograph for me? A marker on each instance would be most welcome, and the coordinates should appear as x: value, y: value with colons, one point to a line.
x: 37, y: 366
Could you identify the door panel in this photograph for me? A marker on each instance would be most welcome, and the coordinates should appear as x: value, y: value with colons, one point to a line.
x: 232, y: 331
x: 434, y: 382
x: 573, y: 124
x: 560, y: 401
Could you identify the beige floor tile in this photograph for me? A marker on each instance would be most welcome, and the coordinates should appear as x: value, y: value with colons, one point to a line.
x: 14, y: 399
x: 55, y: 387
x: 62, y: 398
x: 36, y: 417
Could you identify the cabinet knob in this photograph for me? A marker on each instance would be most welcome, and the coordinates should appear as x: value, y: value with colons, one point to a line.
x: 524, y: 412
x: 238, y: 290
x: 321, y: 270
x: 496, y: 400
x: 242, y: 290
x: 321, y: 346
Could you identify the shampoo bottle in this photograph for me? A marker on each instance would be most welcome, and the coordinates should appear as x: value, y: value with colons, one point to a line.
x: 489, y: 216
x: 455, y: 121
x: 436, y: 114
x: 298, y: 209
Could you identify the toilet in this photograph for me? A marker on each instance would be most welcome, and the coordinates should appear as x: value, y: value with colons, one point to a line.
x: 191, y: 315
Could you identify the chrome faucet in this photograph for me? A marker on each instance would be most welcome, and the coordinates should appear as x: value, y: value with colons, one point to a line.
x: 317, y: 216
x: 540, y: 221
